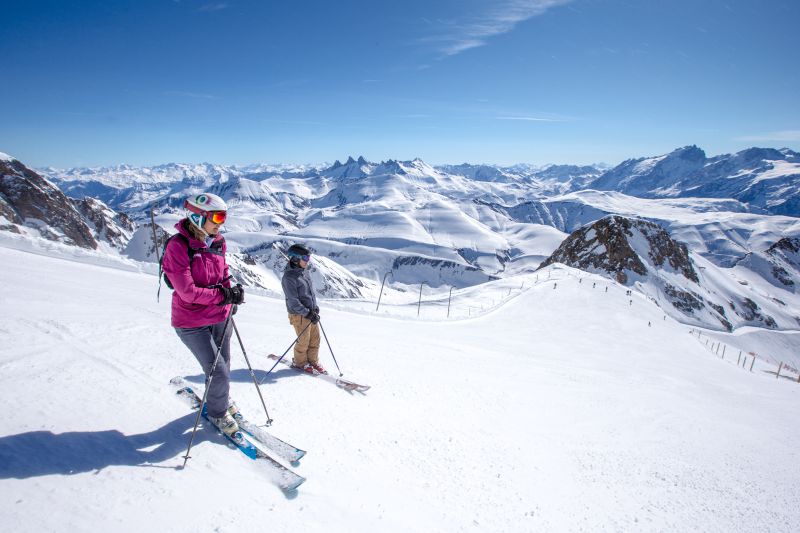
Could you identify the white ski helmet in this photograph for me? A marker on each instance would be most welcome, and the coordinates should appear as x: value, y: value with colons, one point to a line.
x: 200, y: 206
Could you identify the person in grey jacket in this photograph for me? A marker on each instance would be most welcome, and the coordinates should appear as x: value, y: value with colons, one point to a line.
x: 301, y: 303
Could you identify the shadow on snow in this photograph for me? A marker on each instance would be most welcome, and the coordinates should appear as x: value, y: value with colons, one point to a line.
x: 41, y: 453
x: 242, y: 375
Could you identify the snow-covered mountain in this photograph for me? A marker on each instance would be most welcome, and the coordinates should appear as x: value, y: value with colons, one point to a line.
x: 779, y: 264
x: 452, y: 225
x: 641, y: 254
x: 760, y: 177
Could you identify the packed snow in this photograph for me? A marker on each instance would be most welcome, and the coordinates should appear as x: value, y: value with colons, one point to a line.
x: 545, y: 402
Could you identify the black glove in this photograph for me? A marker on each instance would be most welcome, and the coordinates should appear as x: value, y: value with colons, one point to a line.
x: 313, y: 317
x: 232, y: 295
x: 316, y: 310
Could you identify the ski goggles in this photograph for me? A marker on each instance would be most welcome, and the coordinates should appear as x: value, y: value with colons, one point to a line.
x: 305, y: 258
x: 217, y: 217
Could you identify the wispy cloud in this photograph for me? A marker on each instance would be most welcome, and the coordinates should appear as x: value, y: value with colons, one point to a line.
x: 218, y: 6
x: 532, y: 119
x: 784, y: 135
x: 461, y: 35
x: 191, y: 95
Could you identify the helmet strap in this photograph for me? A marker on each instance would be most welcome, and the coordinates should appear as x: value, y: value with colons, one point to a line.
x: 197, y: 222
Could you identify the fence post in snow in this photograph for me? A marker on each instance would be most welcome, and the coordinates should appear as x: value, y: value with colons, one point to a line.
x: 779, y: 370
x: 381, y: 293
x: 419, y: 303
x: 739, y: 360
x: 723, y: 351
x: 754, y: 362
x: 448, y: 300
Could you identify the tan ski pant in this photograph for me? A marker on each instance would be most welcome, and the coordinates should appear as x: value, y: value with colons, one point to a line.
x: 306, y: 350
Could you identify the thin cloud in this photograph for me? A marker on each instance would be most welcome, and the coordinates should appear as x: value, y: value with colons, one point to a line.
x: 460, y: 36
x: 784, y: 135
x: 191, y: 95
x: 531, y: 119
x: 213, y: 7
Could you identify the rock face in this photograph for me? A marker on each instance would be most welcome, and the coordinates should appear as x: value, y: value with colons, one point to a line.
x: 27, y: 199
x: 642, y: 254
x: 608, y: 246
x: 108, y: 225
x: 785, y: 259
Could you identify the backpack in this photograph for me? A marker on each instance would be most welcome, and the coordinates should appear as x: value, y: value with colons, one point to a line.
x: 215, y: 249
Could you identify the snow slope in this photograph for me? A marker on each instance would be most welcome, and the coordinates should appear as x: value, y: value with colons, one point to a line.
x: 560, y: 409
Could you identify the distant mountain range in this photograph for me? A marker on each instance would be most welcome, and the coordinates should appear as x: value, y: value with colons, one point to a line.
x: 455, y: 225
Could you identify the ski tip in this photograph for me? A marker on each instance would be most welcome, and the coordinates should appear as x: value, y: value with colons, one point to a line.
x: 292, y: 487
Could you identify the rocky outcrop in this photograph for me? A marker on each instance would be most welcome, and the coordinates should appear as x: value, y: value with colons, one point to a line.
x: 607, y: 246
x: 27, y: 199
x: 108, y: 225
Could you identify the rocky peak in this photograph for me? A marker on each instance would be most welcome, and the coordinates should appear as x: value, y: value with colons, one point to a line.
x: 623, y: 248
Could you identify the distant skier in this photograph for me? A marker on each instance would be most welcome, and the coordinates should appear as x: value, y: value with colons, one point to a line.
x: 301, y: 303
x: 194, y: 262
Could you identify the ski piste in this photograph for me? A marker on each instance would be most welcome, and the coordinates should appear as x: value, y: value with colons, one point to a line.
x: 286, y: 479
x: 279, y: 447
x: 342, y: 383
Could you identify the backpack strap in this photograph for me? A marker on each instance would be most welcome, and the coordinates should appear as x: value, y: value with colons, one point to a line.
x: 216, y: 248
x: 161, y: 274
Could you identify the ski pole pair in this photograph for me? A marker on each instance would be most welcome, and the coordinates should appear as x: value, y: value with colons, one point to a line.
x: 295, y: 342
x: 210, y: 377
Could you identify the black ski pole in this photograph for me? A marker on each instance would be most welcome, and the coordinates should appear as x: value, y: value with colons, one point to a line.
x: 156, y: 246
x: 331, y: 349
x: 287, y: 351
x: 252, y: 374
x: 208, y: 384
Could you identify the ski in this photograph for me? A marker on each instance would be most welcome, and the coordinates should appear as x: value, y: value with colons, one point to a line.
x: 286, y: 479
x: 342, y: 383
x: 274, y: 444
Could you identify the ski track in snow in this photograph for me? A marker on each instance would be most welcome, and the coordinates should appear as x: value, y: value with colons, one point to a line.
x: 559, y: 410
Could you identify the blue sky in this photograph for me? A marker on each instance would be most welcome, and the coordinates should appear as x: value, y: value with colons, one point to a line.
x: 504, y: 81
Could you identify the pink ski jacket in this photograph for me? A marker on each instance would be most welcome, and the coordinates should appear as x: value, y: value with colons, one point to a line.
x: 194, y: 303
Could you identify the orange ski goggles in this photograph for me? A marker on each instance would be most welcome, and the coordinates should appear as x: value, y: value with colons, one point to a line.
x: 217, y: 217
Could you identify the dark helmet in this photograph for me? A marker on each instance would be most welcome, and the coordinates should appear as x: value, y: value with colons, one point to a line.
x: 296, y: 252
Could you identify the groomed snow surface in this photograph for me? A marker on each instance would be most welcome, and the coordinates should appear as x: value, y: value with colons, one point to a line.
x: 560, y: 410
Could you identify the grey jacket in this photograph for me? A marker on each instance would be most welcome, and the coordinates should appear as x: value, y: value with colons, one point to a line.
x: 298, y: 290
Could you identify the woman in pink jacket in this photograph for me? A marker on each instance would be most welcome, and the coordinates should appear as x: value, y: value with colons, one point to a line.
x: 194, y: 263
